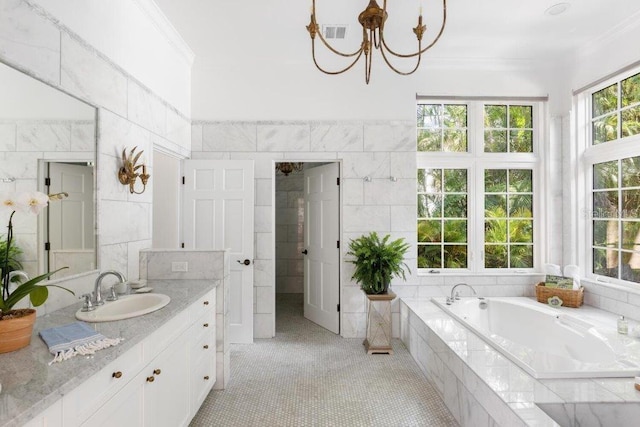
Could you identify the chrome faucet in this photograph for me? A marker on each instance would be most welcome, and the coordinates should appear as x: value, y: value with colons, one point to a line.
x: 455, y: 295
x: 97, y: 295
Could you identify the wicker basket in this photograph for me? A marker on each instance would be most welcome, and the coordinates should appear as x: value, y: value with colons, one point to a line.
x: 569, y: 297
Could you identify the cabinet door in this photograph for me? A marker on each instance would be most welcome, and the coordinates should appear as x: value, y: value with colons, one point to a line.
x: 50, y: 417
x: 122, y: 410
x: 166, y: 400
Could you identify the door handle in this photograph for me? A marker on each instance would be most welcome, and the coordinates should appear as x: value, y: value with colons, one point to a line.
x: 305, y: 252
x: 245, y: 262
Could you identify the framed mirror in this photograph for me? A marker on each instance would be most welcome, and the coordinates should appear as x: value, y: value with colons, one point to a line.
x: 48, y: 144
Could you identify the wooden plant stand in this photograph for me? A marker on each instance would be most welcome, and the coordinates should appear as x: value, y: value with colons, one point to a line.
x: 379, y: 323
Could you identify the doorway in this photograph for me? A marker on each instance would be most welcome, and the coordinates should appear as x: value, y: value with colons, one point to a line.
x: 307, y: 234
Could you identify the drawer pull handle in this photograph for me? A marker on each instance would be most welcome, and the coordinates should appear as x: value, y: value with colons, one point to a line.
x: 206, y: 303
x: 206, y: 325
x: 117, y: 374
x: 206, y: 346
x: 206, y: 378
x: 157, y: 371
x: 151, y: 379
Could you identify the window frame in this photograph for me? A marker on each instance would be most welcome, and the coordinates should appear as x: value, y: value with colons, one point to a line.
x: 475, y: 160
x: 590, y: 154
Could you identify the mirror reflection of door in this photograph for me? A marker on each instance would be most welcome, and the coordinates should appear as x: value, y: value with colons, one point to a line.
x: 69, y: 234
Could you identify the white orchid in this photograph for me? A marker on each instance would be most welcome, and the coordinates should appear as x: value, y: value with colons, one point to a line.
x: 33, y: 202
x: 9, y: 201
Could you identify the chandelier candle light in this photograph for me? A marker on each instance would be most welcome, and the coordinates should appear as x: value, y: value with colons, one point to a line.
x: 373, y: 19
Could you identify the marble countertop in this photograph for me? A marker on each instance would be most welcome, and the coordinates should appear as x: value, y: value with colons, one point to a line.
x: 30, y: 386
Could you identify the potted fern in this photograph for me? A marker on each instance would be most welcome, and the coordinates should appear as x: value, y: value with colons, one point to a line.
x: 377, y: 261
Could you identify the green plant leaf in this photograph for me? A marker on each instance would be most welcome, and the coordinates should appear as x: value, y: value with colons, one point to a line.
x: 38, y: 295
x: 27, y: 287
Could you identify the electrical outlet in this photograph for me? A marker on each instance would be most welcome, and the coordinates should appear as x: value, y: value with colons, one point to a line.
x: 180, y: 266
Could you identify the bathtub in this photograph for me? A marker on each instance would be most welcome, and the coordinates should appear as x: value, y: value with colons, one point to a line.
x: 548, y: 342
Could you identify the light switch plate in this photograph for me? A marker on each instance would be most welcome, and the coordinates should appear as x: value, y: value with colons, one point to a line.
x: 179, y: 266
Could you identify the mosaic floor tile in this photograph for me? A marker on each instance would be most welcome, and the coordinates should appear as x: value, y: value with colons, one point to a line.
x: 308, y: 376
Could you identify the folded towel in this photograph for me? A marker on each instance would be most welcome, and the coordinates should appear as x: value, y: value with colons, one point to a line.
x: 70, y: 340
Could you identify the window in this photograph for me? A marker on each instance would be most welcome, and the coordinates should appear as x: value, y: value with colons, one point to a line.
x: 508, y: 128
x: 508, y: 218
x: 612, y: 174
x: 442, y: 218
x: 442, y: 127
x: 477, y: 169
x: 615, y: 111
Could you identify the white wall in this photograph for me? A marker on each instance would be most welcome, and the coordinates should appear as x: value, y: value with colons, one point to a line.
x: 148, y: 49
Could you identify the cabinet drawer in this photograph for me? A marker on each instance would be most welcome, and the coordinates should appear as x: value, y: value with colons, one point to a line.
x: 85, y: 399
x: 203, y: 378
x: 203, y: 346
x: 205, y: 303
x: 204, y: 325
x: 165, y: 335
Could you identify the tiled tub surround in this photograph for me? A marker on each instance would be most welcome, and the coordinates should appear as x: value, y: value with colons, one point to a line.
x: 481, y: 387
x: 550, y: 342
x: 30, y: 386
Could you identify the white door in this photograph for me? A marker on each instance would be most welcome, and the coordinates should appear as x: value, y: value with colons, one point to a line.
x: 70, y: 221
x: 321, y: 246
x: 218, y: 214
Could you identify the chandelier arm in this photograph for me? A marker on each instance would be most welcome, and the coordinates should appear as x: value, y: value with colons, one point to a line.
x: 313, y: 54
x: 402, y: 73
x: 368, y: 59
x: 429, y: 46
x: 337, y: 52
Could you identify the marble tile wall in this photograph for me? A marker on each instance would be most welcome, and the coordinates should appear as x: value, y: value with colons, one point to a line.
x: 23, y: 143
x: 202, y: 265
x: 289, y: 221
x: 617, y: 299
x: 129, y: 115
x: 377, y: 150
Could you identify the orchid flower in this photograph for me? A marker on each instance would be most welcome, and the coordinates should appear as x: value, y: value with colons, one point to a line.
x: 33, y: 202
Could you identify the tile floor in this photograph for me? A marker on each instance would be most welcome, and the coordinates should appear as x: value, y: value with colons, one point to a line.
x: 308, y: 376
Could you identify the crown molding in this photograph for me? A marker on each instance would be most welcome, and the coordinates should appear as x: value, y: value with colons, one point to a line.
x: 627, y: 25
x: 166, y: 28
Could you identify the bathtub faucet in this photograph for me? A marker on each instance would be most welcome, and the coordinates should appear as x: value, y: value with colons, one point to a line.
x: 456, y: 295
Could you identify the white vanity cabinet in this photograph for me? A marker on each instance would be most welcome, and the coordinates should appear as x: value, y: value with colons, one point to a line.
x: 155, y: 382
x: 50, y: 417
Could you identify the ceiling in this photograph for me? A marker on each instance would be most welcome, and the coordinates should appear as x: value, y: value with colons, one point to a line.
x: 230, y: 31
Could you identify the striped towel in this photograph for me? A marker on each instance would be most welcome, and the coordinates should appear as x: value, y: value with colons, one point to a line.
x: 76, y: 338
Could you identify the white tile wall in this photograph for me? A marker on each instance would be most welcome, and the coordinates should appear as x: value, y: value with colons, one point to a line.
x: 289, y: 211
x: 129, y: 115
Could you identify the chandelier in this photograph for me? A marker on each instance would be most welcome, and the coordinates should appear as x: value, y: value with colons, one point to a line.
x: 372, y: 20
x: 286, y: 167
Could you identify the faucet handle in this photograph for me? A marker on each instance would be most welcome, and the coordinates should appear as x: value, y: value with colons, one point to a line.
x: 112, y: 294
x: 88, y: 305
x: 456, y: 296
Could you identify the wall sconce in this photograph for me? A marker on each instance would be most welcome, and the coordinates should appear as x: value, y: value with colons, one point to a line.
x: 127, y: 173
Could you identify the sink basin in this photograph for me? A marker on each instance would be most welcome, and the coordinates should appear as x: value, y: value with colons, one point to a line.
x: 125, y: 307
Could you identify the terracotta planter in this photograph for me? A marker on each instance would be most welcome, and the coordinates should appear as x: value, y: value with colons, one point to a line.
x: 15, y: 333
